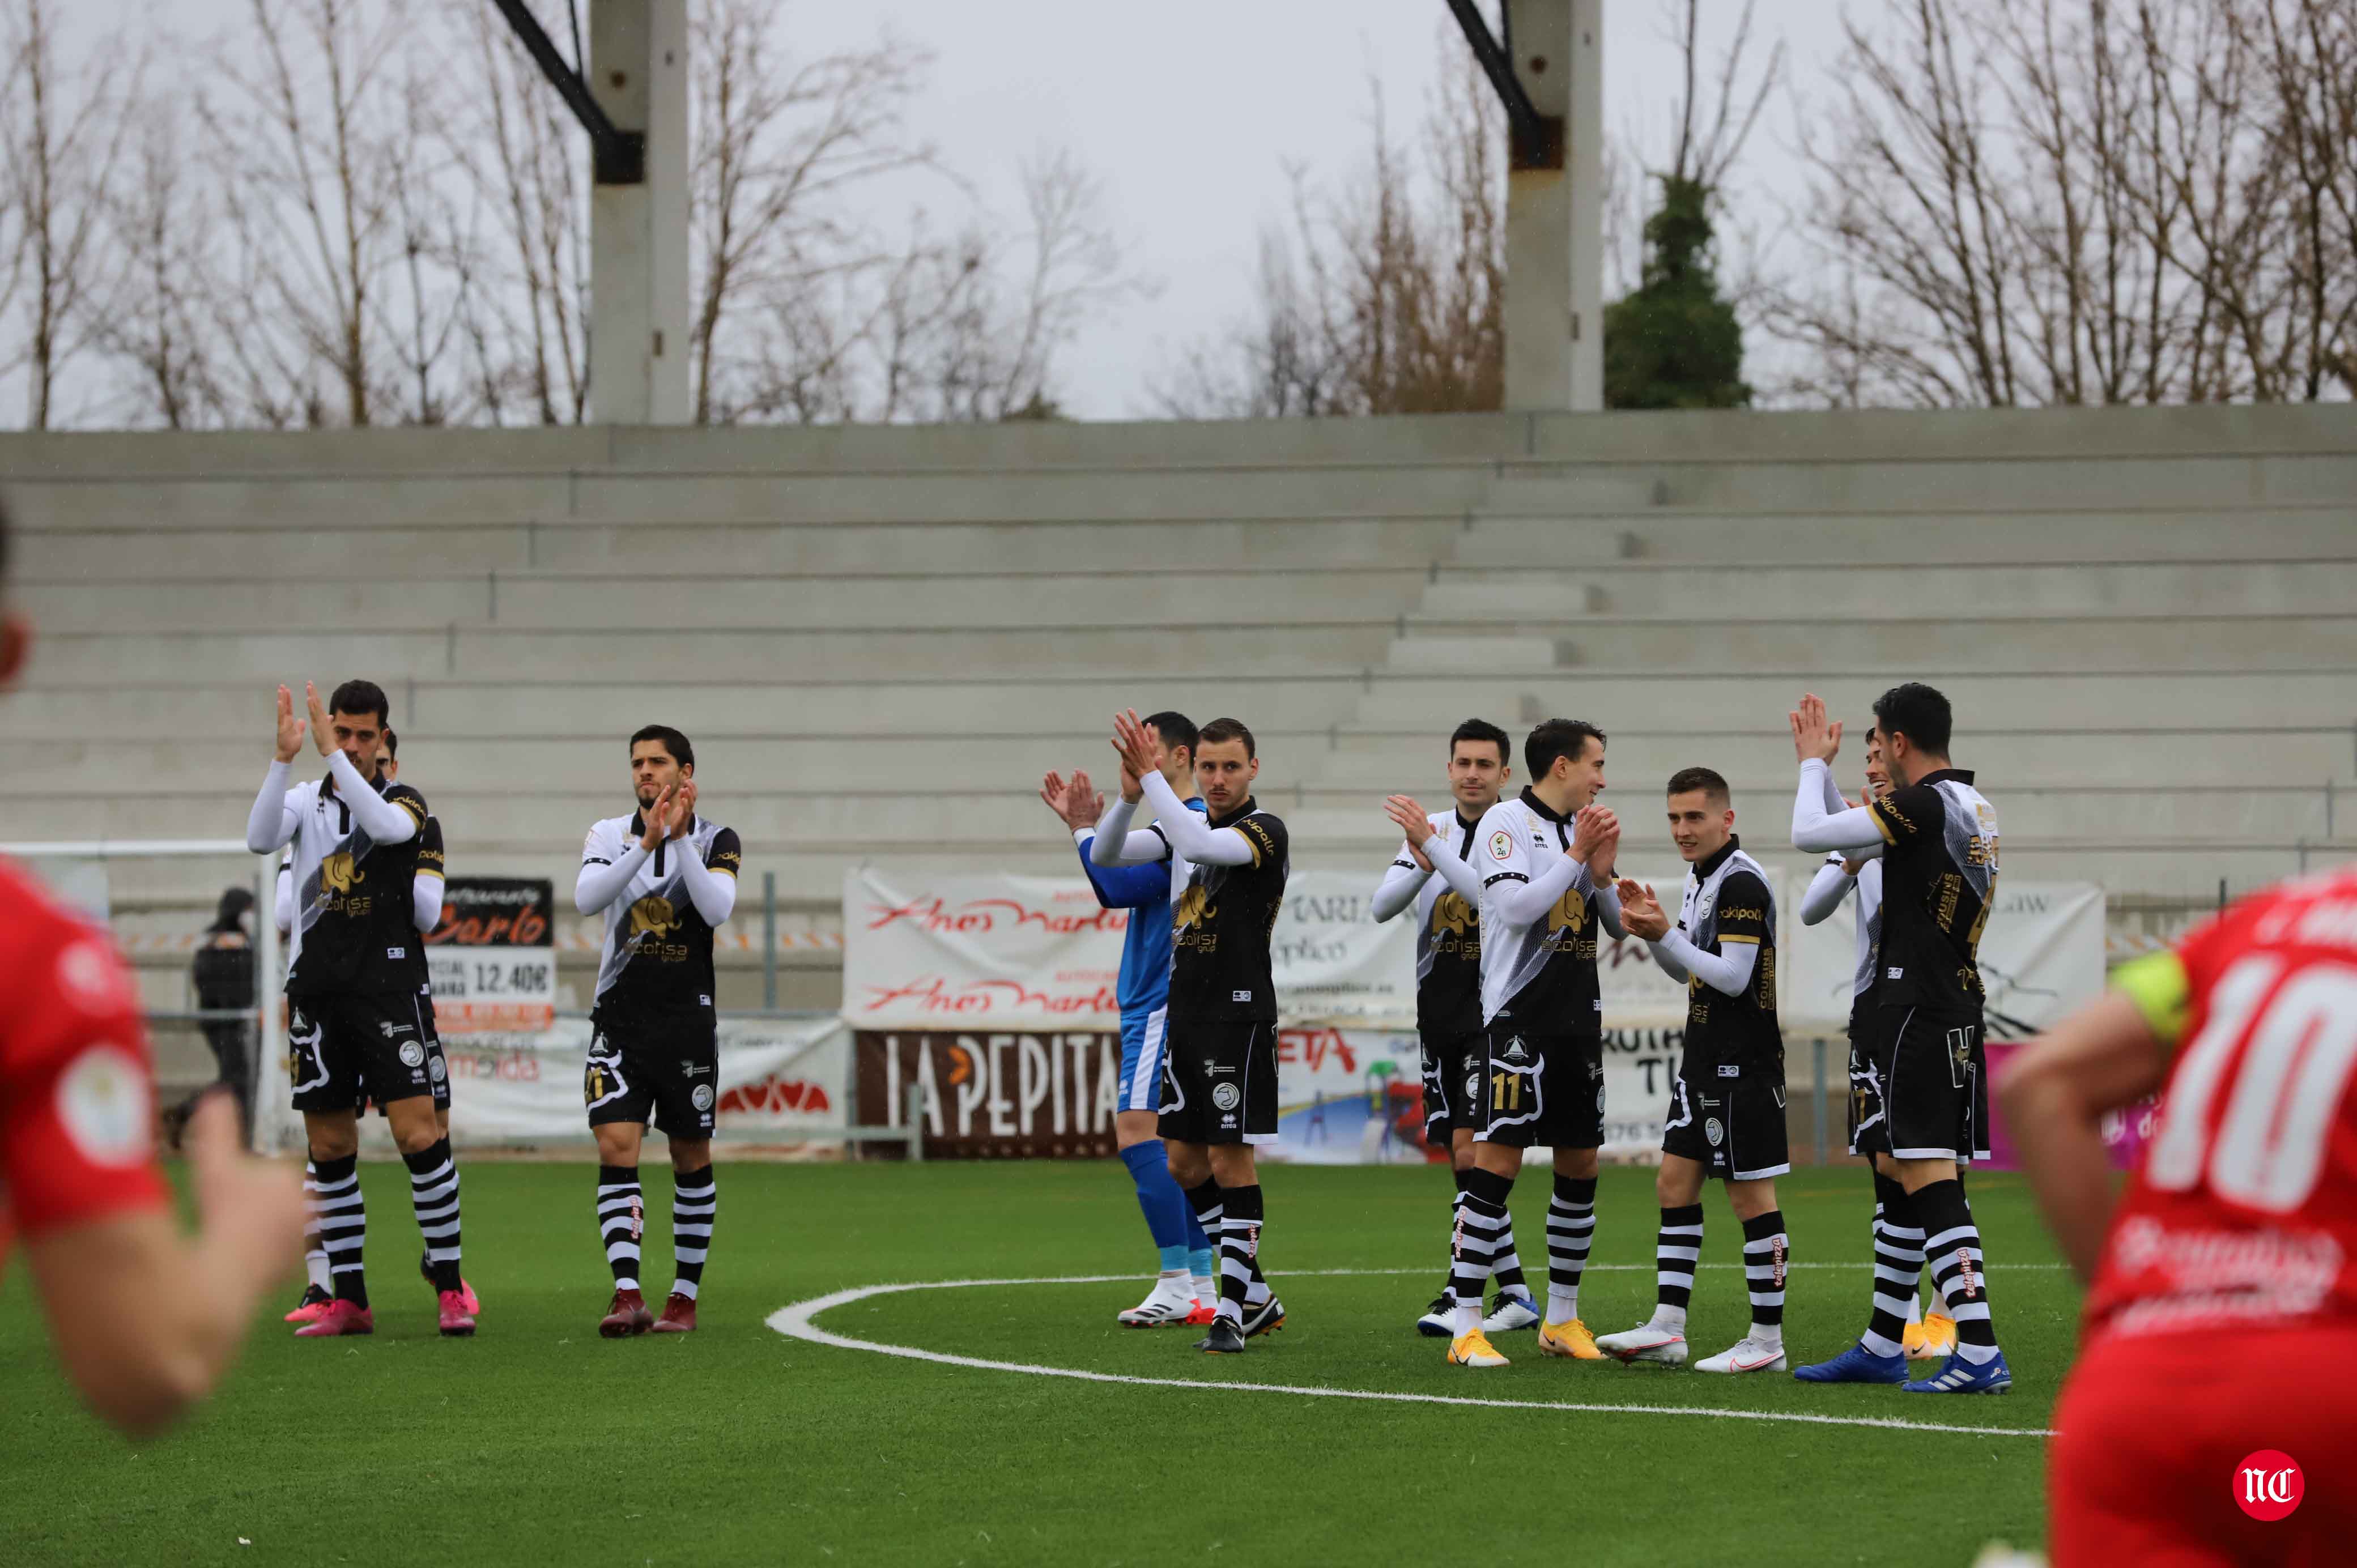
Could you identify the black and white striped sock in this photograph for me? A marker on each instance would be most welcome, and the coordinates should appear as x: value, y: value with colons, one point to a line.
x: 1674, y: 1256
x: 433, y: 1194
x: 1240, y: 1223
x: 1898, y: 1268
x: 1448, y: 1275
x: 1473, y: 1244
x: 621, y: 1221
x: 1952, y: 1246
x: 695, y: 1199
x: 343, y: 1225
x: 315, y: 1252
x: 1570, y: 1231
x: 1767, y: 1251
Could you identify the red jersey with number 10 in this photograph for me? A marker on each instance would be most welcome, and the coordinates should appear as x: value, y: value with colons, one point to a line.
x: 76, y: 1101
x: 2245, y: 1214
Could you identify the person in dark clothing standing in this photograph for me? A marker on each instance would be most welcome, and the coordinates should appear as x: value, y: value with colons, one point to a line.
x: 223, y: 977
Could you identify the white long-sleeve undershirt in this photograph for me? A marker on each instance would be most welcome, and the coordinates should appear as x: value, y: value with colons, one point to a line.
x: 1528, y: 904
x: 426, y: 901
x: 270, y: 826
x: 1827, y: 891
x: 713, y: 894
x: 1397, y: 893
x: 1725, y: 972
x: 1820, y: 828
x: 1187, y: 833
x: 599, y: 885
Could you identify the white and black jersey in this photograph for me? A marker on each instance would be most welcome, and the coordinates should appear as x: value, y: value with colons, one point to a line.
x: 657, y: 952
x: 353, y: 932
x: 1447, y: 932
x: 1728, y: 904
x: 1938, y: 879
x: 1540, y: 978
x: 1220, y: 924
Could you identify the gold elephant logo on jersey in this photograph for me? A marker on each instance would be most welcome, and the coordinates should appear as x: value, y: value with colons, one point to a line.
x: 1570, y: 911
x: 1194, y: 909
x: 1452, y: 916
x: 339, y: 875
x: 652, y: 916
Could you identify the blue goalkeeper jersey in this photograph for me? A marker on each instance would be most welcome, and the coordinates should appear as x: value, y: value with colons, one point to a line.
x: 1144, y: 985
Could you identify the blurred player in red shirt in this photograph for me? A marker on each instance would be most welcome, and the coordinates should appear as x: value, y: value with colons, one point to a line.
x: 145, y: 1320
x: 2221, y: 1327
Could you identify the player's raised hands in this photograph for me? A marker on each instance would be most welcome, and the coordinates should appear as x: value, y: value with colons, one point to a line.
x: 1590, y: 828
x: 1083, y: 802
x: 1413, y: 822
x: 1606, y: 856
x: 1813, y: 735
x: 323, y: 733
x: 652, y: 818
x: 682, y: 811
x: 1139, y: 748
x: 290, y: 729
x: 1640, y: 912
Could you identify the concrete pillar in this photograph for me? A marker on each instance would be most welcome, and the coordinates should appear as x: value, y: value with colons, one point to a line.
x: 638, y: 233
x: 1554, y: 210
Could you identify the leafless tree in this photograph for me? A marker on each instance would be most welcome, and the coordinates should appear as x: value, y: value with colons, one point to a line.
x: 156, y: 324
x: 523, y: 285
x: 2026, y: 201
x: 63, y: 136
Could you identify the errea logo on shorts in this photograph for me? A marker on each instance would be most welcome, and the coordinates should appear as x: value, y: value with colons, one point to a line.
x: 2268, y: 1485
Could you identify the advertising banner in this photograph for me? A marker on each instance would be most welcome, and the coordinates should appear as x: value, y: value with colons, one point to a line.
x: 781, y: 1081
x: 493, y: 957
x: 2042, y: 955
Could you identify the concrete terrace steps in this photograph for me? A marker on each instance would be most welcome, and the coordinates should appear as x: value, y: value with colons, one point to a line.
x: 457, y: 712
x: 1732, y: 537
x: 621, y: 602
x: 2057, y: 644
x: 1759, y: 591
x: 665, y: 544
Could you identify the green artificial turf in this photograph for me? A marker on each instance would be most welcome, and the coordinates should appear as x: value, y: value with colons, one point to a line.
x: 539, y: 1442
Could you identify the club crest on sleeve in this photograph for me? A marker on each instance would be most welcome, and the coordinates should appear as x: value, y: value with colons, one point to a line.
x: 1501, y: 846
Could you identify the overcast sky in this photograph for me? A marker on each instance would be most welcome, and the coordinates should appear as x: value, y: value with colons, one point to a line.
x: 1191, y: 113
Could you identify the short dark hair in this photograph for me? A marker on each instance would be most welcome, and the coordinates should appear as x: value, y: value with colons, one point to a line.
x: 1221, y: 730
x: 1554, y: 739
x: 362, y: 697
x: 674, y: 743
x: 392, y: 743
x: 1706, y: 779
x: 1481, y: 730
x: 1176, y: 729
x: 1917, y: 712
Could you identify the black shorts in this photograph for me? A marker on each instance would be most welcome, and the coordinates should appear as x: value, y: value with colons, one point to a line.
x: 1732, y: 1127
x: 1218, y: 1083
x: 343, y: 1050
x: 1919, y: 1085
x: 1453, y: 1068
x: 438, y: 1065
x: 1542, y: 1089
x: 654, y: 1068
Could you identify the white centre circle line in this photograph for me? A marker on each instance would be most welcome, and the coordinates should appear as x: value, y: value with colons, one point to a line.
x: 797, y: 1321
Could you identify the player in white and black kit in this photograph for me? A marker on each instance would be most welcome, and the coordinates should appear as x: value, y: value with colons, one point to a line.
x: 359, y: 1005
x: 1897, y: 1324
x: 1547, y: 860
x: 1726, y: 1111
x: 1434, y: 875
x: 1219, y: 1073
x: 663, y: 877
x: 1919, y: 1085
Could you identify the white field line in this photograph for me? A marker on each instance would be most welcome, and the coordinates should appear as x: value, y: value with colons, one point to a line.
x: 798, y: 1322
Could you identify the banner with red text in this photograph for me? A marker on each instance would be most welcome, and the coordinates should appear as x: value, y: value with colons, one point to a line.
x: 993, y: 951
x: 492, y: 958
x: 781, y: 1080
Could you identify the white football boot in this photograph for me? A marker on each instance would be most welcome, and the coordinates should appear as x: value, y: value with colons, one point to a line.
x: 1512, y: 1312
x: 1169, y: 1302
x: 1645, y: 1343
x: 1747, y: 1355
